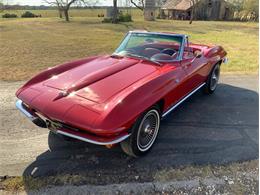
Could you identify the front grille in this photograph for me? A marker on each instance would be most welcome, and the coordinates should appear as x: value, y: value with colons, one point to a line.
x: 56, y: 125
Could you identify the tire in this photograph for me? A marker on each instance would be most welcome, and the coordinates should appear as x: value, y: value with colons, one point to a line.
x: 57, y: 141
x: 144, y: 133
x: 212, y: 81
x: 66, y: 138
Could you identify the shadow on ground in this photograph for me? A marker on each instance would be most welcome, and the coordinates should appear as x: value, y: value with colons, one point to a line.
x: 216, y: 129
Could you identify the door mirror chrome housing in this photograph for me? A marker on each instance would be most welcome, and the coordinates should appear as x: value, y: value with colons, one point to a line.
x: 198, y: 54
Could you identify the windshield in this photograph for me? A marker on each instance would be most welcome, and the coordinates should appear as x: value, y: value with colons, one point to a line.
x: 154, y: 47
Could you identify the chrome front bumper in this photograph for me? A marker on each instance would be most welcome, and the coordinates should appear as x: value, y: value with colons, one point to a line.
x: 19, y: 105
x: 42, y: 123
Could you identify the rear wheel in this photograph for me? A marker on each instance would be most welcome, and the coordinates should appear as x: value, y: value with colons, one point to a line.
x: 144, y: 133
x: 212, y: 80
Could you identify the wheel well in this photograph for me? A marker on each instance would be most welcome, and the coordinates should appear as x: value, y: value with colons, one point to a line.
x: 161, y: 103
x: 219, y: 62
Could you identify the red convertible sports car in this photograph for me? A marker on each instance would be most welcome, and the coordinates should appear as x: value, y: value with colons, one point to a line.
x: 121, y: 98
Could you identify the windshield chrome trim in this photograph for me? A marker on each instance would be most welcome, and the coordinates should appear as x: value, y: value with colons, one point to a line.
x: 182, y: 46
x: 184, y: 40
x: 158, y: 33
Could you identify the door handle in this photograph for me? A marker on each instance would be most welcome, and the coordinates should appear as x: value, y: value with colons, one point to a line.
x: 175, y: 80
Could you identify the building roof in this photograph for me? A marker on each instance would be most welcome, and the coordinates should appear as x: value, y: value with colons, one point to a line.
x: 170, y: 4
x: 182, y: 5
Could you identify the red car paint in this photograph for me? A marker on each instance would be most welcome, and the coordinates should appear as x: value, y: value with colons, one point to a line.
x: 103, y: 96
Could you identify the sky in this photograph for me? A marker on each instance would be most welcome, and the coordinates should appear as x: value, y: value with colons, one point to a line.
x: 41, y: 2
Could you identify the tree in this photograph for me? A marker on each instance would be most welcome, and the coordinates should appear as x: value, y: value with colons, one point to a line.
x: 251, y: 5
x: 63, y: 6
x: 237, y: 4
x: 2, y: 6
x: 247, y: 9
x: 193, y: 9
x: 138, y: 4
x: 115, y: 12
x: 59, y: 8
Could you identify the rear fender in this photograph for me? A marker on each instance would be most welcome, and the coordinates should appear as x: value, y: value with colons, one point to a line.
x: 215, y: 54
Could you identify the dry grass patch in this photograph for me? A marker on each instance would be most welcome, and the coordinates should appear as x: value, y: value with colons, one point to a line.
x: 12, y: 184
x: 31, y: 45
x: 191, y: 172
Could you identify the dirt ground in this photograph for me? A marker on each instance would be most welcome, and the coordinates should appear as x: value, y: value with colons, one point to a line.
x: 208, y: 141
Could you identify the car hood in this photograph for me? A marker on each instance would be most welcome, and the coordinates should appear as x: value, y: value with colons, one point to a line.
x: 101, y: 78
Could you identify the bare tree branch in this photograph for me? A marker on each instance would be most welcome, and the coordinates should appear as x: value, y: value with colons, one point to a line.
x: 141, y: 7
x: 50, y: 3
x: 71, y: 2
x: 64, y: 5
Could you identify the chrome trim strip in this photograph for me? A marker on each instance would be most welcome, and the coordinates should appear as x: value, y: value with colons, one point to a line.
x: 182, y: 46
x: 182, y: 100
x: 19, y: 105
x: 156, y: 33
x: 92, y: 141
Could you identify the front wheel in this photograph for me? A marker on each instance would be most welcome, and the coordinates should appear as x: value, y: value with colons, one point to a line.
x: 144, y: 133
x: 212, y: 80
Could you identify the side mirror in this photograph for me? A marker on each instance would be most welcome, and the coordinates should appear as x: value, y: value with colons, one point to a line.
x: 198, y: 54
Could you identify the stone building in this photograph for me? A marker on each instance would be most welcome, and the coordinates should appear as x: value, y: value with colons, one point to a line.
x: 203, y: 9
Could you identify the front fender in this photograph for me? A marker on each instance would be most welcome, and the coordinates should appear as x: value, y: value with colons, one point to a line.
x: 125, y: 110
x: 46, y: 74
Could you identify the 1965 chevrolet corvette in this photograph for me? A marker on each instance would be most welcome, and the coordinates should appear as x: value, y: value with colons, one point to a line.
x: 121, y: 98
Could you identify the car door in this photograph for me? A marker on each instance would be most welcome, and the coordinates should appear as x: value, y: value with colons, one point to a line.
x: 195, y: 68
x: 175, y: 84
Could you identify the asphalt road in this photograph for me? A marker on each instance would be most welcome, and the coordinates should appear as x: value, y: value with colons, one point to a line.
x: 216, y: 129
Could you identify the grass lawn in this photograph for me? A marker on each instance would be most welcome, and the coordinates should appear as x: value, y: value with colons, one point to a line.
x: 30, y: 45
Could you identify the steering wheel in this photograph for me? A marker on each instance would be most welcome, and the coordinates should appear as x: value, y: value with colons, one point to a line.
x: 169, y: 51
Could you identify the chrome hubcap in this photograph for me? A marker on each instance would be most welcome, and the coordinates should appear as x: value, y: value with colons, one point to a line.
x: 148, y: 130
x: 215, y: 78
